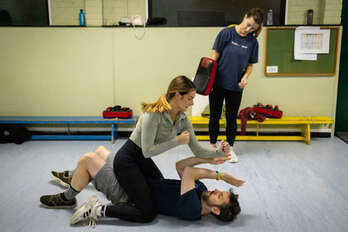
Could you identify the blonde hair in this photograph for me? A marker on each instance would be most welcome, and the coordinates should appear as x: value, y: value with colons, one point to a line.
x: 180, y: 84
x: 160, y: 105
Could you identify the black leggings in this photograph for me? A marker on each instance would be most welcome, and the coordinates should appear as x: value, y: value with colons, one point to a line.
x: 131, y: 170
x: 232, y: 101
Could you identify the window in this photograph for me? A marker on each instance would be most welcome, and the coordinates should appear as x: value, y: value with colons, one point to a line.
x: 212, y: 12
x: 24, y: 13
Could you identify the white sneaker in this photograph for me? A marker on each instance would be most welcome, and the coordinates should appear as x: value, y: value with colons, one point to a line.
x: 234, y: 158
x: 87, y: 211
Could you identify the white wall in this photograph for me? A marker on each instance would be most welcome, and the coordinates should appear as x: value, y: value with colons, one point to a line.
x: 80, y: 71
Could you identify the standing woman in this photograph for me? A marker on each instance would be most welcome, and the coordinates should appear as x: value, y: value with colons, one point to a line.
x: 162, y: 126
x: 236, y: 50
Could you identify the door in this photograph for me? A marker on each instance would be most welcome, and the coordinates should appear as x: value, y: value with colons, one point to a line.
x: 342, y: 97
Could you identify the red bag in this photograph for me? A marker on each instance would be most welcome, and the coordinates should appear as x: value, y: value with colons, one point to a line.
x: 117, y: 112
x: 268, y: 110
x: 205, y: 76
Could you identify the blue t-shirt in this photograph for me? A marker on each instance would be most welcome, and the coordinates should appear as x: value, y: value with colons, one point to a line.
x: 236, y: 53
x: 168, y: 201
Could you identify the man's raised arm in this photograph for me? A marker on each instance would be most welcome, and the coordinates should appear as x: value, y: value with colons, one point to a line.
x: 189, y: 174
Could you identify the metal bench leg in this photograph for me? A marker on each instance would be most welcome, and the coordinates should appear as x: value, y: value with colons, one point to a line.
x: 332, y: 130
x: 113, y: 133
x: 306, y: 133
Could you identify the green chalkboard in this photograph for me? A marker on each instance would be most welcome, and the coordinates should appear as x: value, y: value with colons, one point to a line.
x: 280, y: 53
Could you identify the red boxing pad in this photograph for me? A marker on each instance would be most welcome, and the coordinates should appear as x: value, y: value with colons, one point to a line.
x: 205, y: 75
x: 118, y: 114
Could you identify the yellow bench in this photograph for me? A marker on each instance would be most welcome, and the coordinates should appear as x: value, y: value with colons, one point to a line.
x: 304, y: 122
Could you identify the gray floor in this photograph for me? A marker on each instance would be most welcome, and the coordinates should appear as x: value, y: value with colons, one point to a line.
x: 290, y: 186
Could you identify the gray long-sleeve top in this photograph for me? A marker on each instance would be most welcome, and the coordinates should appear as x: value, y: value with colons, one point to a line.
x: 155, y: 133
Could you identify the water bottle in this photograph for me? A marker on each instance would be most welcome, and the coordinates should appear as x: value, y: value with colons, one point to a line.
x: 310, y: 17
x: 82, y: 18
x: 270, y: 17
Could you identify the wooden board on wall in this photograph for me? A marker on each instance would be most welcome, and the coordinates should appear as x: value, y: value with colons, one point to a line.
x: 280, y: 53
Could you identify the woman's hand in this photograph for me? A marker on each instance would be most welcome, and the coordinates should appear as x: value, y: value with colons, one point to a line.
x: 218, y: 160
x: 243, y: 83
x: 231, y: 179
x: 224, y: 148
x: 184, y: 137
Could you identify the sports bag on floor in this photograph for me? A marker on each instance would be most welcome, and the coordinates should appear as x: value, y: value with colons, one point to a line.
x: 13, y: 133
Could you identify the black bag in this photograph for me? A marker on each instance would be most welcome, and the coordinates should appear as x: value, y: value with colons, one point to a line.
x: 13, y: 134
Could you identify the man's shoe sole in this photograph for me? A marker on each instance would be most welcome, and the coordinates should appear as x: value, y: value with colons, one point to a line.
x: 59, y: 181
x: 59, y: 207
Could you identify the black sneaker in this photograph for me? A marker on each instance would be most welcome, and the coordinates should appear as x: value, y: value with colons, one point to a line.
x: 57, y: 202
x: 62, y: 178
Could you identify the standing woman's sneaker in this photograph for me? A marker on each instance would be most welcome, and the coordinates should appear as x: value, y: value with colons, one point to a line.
x: 57, y: 202
x: 87, y: 210
x: 234, y: 158
x: 232, y: 154
x: 62, y: 178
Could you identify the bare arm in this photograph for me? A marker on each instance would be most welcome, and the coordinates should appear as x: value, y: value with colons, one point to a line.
x: 189, y: 162
x: 248, y: 71
x: 191, y: 174
x: 215, y: 55
x: 204, y: 152
x: 244, y: 81
x: 192, y: 161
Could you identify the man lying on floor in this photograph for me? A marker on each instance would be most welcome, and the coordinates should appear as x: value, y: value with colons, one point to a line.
x: 186, y: 199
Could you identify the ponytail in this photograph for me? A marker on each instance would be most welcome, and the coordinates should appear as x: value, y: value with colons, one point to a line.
x: 159, y: 106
